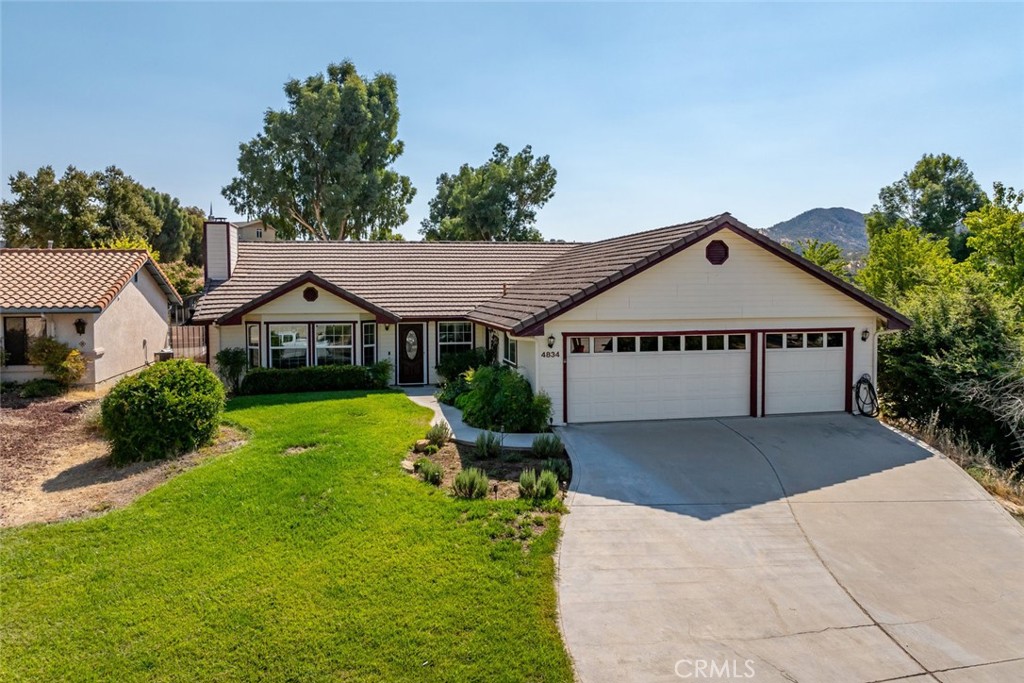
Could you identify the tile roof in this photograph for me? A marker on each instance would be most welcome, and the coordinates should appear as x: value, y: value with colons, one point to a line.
x: 41, y: 280
x: 407, y: 279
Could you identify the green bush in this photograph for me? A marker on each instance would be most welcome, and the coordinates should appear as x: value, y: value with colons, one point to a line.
x: 439, y: 434
x: 431, y: 449
x: 41, y: 388
x: 61, y: 362
x: 451, y: 390
x: 169, y: 408
x: 382, y: 371
x: 431, y: 472
x: 451, y: 367
x: 547, y: 485
x: 488, y: 446
x: 470, y: 483
x: 420, y: 462
x: 318, y: 378
x: 231, y: 364
x: 500, y: 398
x: 528, y: 484
x: 546, y: 446
x: 560, y: 467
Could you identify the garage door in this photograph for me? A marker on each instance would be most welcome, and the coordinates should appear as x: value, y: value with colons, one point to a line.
x: 657, y: 377
x: 805, y: 372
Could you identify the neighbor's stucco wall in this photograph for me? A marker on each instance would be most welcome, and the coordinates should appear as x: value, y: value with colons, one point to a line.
x: 60, y: 326
x: 131, y: 330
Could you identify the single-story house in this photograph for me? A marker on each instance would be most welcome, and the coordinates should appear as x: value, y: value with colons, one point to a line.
x: 111, y: 305
x: 707, y: 318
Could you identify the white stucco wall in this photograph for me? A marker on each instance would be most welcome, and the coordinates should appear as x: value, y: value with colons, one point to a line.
x: 60, y: 326
x: 131, y: 330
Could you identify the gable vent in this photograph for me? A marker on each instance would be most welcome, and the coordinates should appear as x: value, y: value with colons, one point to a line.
x: 717, y: 252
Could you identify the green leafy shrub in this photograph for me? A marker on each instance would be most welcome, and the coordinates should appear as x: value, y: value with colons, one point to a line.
x: 451, y: 390
x: 317, y: 378
x: 61, y: 362
x: 528, y: 484
x: 560, y: 467
x: 420, y: 462
x: 501, y: 398
x: 439, y: 434
x: 546, y: 446
x: 41, y: 388
x: 167, y: 409
x: 431, y: 449
x: 231, y: 364
x: 431, y: 472
x: 470, y: 483
x: 547, y: 485
x: 451, y: 367
x: 488, y: 445
x: 381, y: 372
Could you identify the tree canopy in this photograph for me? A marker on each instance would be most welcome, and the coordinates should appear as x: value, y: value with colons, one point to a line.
x: 828, y: 255
x: 996, y: 235
x: 323, y: 167
x: 496, y: 201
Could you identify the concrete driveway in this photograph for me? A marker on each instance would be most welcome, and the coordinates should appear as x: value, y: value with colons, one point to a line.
x: 820, y: 548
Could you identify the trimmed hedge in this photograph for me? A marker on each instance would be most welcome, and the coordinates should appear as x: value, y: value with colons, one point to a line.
x: 316, y: 378
x: 167, y: 409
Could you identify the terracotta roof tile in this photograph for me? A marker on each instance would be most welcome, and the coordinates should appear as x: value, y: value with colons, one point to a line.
x: 70, y: 279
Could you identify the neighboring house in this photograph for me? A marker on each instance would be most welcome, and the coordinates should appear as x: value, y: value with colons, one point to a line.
x: 256, y: 231
x: 111, y: 305
x: 708, y: 318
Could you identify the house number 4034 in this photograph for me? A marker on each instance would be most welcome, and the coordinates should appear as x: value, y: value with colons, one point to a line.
x: 551, y: 354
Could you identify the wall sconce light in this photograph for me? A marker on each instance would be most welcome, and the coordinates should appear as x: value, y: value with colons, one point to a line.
x: 80, y: 326
x: 865, y: 335
x: 551, y: 341
x: 387, y: 327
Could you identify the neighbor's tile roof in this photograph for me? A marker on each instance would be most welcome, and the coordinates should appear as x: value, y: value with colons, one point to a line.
x: 408, y: 279
x: 583, y: 271
x: 69, y: 279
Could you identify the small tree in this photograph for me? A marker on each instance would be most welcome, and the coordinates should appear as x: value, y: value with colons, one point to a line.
x: 61, y: 362
x: 231, y: 364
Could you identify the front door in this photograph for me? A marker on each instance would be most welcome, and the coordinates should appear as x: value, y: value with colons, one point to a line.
x: 410, y: 354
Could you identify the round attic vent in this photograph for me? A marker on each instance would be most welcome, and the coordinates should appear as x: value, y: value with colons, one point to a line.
x: 310, y: 294
x: 717, y: 252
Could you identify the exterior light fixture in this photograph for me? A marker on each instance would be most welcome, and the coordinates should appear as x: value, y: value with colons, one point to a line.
x: 865, y: 334
x: 551, y: 341
x: 80, y: 326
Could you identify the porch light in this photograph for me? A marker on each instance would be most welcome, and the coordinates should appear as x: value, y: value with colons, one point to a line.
x: 80, y: 326
x: 865, y: 334
x: 551, y: 341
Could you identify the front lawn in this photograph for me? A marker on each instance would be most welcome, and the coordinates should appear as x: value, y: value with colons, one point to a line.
x: 308, y: 554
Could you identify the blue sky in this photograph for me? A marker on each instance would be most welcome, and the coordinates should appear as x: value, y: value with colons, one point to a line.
x: 652, y: 114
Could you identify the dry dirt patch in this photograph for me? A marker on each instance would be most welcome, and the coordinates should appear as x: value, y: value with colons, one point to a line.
x: 54, y: 465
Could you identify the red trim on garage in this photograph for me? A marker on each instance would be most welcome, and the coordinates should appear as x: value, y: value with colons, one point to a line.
x: 764, y: 374
x: 565, y: 378
x: 849, y: 370
x: 753, y: 374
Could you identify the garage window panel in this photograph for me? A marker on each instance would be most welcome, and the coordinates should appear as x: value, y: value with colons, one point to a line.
x: 625, y: 344
x: 737, y: 342
x: 693, y: 342
x: 715, y: 342
x: 579, y: 345
x: 795, y: 340
x: 671, y: 343
x: 815, y: 340
x: 834, y: 339
x: 648, y: 343
x: 603, y: 344
x: 773, y: 341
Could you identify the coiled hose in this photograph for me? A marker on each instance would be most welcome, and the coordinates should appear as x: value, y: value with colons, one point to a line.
x: 867, y: 399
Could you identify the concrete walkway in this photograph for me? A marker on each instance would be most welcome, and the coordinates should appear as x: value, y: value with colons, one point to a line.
x: 814, y: 548
x: 462, y: 432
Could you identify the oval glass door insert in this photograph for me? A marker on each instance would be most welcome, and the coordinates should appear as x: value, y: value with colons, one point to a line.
x: 411, y: 345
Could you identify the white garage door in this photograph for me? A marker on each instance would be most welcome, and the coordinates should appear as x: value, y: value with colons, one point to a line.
x: 805, y: 372
x: 647, y: 377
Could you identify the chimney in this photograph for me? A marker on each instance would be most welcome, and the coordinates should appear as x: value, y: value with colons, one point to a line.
x: 220, y: 249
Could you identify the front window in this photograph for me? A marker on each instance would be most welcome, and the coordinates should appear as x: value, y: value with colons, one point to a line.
x: 18, y: 335
x: 252, y: 344
x: 454, y: 337
x: 369, y: 343
x: 334, y: 344
x: 289, y: 345
x: 511, y: 350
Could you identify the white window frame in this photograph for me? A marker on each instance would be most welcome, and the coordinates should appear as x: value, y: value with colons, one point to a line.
x: 372, y: 328
x: 250, y: 347
x: 351, y: 346
x: 270, y: 343
x: 446, y: 347
x: 513, y: 346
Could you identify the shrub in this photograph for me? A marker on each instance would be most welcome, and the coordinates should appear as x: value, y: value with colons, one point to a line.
x: 41, y: 388
x: 420, y: 462
x: 431, y: 472
x: 439, y: 434
x: 501, y: 398
x: 488, y: 445
x: 167, y: 409
x: 547, y: 485
x: 317, y: 378
x: 451, y: 390
x: 61, y: 362
x: 431, y: 449
x: 560, y: 467
x: 451, y: 367
x: 546, y: 446
x: 231, y: 364
x: 528, y: 484
x: 470, y: 483
x: 381, y: 372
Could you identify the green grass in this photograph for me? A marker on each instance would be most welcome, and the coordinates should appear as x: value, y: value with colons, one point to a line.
x: 331, y: 564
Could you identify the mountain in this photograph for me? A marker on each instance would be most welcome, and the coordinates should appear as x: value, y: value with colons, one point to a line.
x: 845, y: 227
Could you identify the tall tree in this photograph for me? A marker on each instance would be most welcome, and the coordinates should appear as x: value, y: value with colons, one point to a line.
x: 935, y: 196
x: 495, y: 201
x: 903, y: 259
x: 997, y: 238
x: 828, y: 255
x: 45, y: 208
x: 176, y: 231
x: 323, y: 167
x: 125, y: 211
